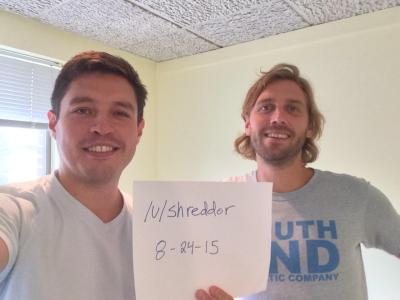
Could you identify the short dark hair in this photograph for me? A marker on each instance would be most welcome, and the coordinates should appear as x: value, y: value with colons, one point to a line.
x: 92, y: 62
x: 316, y: 120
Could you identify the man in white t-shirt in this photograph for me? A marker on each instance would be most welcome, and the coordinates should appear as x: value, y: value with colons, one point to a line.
x: 319, y: 218
x: 68, y: 235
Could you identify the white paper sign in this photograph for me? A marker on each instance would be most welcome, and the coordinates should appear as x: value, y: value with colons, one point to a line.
x: 190, y: 235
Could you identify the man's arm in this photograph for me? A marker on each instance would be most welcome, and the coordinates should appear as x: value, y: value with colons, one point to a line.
x: 3, y: 255
x: 381, y: 223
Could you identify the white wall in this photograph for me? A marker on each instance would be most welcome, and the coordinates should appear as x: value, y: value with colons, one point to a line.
x: 34, y: 37
x: 354, y: 66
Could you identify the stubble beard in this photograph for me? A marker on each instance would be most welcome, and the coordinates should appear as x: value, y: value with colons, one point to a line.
x: 92, y: 176
x: 92, y: 173
x: 109, y: 172
x: 102, y: 177
x: 277, y: 155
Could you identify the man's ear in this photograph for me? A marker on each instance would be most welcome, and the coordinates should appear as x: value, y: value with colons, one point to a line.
x: 51, y: 116
x: 247, y: 127
x: 310, y: 132
x: 140, y: 127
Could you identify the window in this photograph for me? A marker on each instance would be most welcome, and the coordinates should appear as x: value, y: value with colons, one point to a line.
x: 26, y: 83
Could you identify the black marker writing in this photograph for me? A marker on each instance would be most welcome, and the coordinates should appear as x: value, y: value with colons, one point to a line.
x: 178, y: 210
x: 187, y: 248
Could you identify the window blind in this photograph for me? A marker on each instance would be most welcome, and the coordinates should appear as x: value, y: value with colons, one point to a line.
x: 26, y: 84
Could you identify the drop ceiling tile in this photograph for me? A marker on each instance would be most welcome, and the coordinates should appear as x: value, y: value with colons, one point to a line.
x: 368, y: 6
x: 30, y: 8
x: 167, y: 29
x: 170, y: 46
x: 92, y: 17
x: 258, y: 21
x: 124, y: 26
x: 323, y: 11
x: 226, y: 22
x: 196, y: 11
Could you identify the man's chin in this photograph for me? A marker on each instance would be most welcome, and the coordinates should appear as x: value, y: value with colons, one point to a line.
x: 281, y: 158
x: 276, y: 161
x: 101, y: 176
x: 278, y: 154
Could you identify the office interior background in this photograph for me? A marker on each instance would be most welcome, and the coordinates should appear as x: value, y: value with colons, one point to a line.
x: 193, y: 110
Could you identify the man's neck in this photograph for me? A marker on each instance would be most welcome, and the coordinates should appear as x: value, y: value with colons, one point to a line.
x: 286, y: 178
x: 103, y: 200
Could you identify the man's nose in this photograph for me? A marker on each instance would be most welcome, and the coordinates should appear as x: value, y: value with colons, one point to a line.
x: 278, y: 116
x: 102, y: 125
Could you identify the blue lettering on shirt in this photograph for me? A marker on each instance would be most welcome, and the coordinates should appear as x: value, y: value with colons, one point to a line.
x: 306, y: 250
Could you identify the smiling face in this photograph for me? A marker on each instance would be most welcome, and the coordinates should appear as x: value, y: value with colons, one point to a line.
x: 278, y: 124
x: 97, y: 129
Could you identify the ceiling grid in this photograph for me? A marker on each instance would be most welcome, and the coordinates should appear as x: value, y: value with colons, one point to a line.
x: 167, y: 29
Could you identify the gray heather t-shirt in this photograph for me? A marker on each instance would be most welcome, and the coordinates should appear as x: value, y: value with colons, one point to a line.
x: 316, y: 236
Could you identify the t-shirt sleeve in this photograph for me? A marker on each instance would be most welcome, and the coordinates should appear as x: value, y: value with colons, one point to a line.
x: 381, y: 223
x: 10, y: 220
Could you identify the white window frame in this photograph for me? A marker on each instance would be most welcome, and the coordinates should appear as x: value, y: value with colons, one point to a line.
x: 53, y: 66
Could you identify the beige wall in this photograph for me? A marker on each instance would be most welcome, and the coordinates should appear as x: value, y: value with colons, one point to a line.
x: 354, y: 66
x: 34, y: 37
x: 193, y: 114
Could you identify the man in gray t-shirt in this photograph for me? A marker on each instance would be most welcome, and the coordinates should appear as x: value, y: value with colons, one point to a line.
x: 319, y: 218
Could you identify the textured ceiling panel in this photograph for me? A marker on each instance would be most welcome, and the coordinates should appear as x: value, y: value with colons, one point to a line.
x: 323, y: 11
x: 191, y: 12
x: 178, y: 44
x: 125, y: 26
x: 123, y: 23
x: 166, y: 29
x: 28, y: 8
x: 367, y: 6
x: 258, y: 21
x: 228, y: 22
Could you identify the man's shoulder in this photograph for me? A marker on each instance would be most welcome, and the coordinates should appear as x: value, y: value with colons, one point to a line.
x: 20, y: 204
x: 339, y: 184
x: 339, y: 178
x: 321, y: 177
x: 28, y: 190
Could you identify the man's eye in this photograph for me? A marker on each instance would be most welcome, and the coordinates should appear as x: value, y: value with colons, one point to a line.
x: 293, y: 109
x: 266, y: 108
x: 83, y: 111
x: 122, y: 114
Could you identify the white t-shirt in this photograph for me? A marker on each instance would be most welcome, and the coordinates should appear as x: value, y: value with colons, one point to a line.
x: 317, y: 231
x: 59, y: 249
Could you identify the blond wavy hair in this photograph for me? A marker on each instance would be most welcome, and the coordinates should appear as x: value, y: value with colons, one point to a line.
x: 316, y: 120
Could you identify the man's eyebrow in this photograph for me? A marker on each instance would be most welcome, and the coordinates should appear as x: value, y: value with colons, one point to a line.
x: 125, y: 104
x: 85, y: 99
x: 296, y: 101
x: 264, y: 100
x: 81, y: 99
x: 269, y: 99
